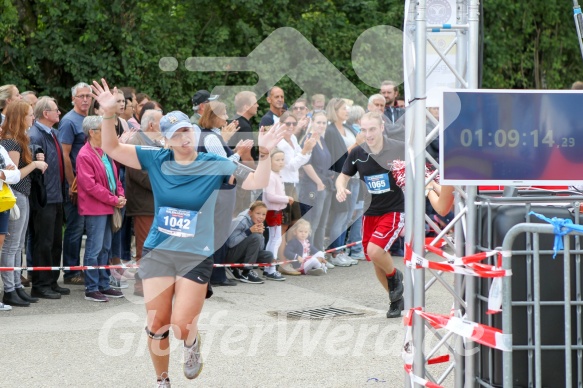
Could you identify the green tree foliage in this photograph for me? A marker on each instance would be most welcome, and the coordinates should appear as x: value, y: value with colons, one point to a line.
x: 49, y: 46
x: 530, y: 45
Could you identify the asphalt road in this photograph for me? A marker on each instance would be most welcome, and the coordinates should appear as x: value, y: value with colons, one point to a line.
x: 248, y: 341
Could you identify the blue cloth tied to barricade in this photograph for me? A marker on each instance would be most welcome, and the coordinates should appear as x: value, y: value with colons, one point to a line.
x: 561, y: 227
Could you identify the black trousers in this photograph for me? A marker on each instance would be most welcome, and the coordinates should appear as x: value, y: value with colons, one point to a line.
x: 250, y: 250
x: 47, y: 244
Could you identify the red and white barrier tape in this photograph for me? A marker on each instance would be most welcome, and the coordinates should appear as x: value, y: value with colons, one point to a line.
x: 438, y: 244
x: 475, y: 258
x: 418, y: 380
x: 468, y: 265
x: 482, y: 334
x: 86, y: 267
x: 408, y: 352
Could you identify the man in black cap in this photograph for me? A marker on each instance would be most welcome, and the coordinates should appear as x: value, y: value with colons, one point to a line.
x: 199, y: 101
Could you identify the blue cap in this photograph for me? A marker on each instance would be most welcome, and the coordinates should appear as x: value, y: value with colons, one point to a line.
x: 173, y: 121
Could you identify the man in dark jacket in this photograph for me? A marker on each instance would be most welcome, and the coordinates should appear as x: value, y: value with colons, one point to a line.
x: 47, y: 222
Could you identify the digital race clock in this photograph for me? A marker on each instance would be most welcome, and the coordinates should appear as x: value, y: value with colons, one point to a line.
x: 509, y: 137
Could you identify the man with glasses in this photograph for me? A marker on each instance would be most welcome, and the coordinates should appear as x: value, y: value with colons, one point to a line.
x: 300, y: 111
x: 46, y: 223
x: 72, y: 138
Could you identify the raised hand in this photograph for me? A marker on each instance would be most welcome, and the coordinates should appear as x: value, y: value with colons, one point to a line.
x: 309, y: 145
x: 269, y: 139
x: 107, y: 100
x: 303, y: 123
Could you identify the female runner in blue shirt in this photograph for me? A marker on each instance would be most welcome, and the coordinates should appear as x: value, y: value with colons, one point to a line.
x: 177, y: 260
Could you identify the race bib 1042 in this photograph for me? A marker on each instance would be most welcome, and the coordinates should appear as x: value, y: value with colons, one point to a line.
x: 378, y: 184
x: 177, y: 222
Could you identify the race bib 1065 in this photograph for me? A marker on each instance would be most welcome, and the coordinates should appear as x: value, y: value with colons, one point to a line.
x: 378, y: 184
x: 177, y: 222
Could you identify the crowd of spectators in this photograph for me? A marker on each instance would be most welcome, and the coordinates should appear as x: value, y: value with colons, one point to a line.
x: 296, y: 218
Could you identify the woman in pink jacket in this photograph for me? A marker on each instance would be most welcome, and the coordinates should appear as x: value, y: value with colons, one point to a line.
x: 99, y: 192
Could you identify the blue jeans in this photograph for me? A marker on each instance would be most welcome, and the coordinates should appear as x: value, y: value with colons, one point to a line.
x: 122, y: 239
x: 97, y: 248
x: 74, y: 226
x: 341, y: 221
x: 318, y: 216
x: 355, y: 233
x: 14, y: 243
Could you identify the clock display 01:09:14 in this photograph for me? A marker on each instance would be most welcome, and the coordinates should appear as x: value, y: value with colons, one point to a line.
x: 512, y: 138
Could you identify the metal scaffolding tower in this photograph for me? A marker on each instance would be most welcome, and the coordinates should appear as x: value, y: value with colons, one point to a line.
x: 465, y: 40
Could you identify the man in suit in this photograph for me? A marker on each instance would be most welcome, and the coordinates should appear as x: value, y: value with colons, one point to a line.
x: 47, y: 222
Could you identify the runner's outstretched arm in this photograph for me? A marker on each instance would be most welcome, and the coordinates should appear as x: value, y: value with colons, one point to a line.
x: 267, y: 142
x: 122, y: 153
x: 341, y: 191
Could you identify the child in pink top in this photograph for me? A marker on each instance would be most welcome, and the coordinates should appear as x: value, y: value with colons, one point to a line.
x: 276, y: 200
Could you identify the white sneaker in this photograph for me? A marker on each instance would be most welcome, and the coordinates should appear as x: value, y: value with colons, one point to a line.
x: 5, y: 307
x: 164, y: 381
x: 338, y: 262
x: 346, y: 259
x: 316, y: 272
x: 329, y: 265
x: 193, y: 359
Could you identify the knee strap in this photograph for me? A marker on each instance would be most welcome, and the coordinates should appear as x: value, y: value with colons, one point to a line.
x: 155, y: 336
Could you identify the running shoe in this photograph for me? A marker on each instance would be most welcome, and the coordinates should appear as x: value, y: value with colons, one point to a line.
x: 396, y: 288
x: 163, y: 381
x: 250, y: 277
x: 274, y: 276
x: 193, y: 359
x: 339, y: 262
x: 347, y: 259
x: 358, y: 255
x: 96, y: 296
x: 116, y: 281
x: 395, y: 308
x: 316, y: 272
x: 110, y: 292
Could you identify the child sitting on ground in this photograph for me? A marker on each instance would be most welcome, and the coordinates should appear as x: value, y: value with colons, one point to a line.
x: 310, y: 261
x: 245, y: 245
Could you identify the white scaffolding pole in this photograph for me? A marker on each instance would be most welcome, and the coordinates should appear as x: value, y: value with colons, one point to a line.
x: 465, y: 71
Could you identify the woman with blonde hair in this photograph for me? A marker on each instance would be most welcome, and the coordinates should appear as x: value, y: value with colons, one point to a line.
x: 317, y: 180
x: 8, y: 94
x: 19, y: 116
x: 341, y: 139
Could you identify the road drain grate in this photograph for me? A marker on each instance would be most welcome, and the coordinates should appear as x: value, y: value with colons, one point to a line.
x: 320, y: 313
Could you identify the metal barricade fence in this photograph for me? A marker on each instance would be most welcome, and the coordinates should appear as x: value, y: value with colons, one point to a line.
x: 538, y: 313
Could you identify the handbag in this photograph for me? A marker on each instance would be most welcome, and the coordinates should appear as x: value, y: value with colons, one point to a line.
x: 116, y: 220
x: 14, y: 213
x: 7, y: 198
